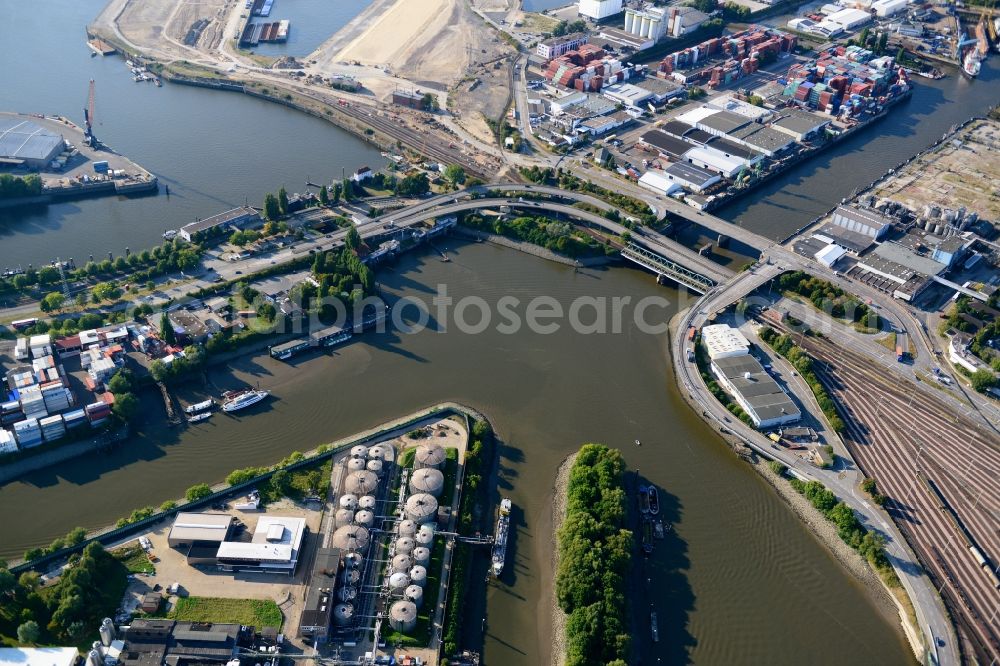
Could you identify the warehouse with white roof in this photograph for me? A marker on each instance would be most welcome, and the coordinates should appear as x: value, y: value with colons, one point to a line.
x: 23, y: 142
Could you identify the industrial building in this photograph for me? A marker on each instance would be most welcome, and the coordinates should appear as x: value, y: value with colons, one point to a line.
x: 657, y: 181
x: 691, y: 177
x: 23, y: 142
x: 274, y: 545
x: 317, y: 611
x: 557, y: 46
x: 599, y: 9
x: 39, y: 656
x: 743, y: 377
x: 413, y: 99
x: 237, y: 218
x: 156, y: 642
x: 862, y: 221
x: 646, y: 21
x: 190, y: 529
x: 798, y: 124
x: 724, y: 341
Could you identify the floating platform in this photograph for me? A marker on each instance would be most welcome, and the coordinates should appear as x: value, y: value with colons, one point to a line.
x: 101, y: 47
x: 255, y: 33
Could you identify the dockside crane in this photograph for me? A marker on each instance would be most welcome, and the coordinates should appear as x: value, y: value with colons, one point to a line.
x: 88, y: 118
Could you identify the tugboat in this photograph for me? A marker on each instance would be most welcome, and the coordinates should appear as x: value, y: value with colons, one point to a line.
x: 244, y: 400
x: 199, y: 417
x: 643, y: 500
x: 500, y: 544
x: 654, y: 500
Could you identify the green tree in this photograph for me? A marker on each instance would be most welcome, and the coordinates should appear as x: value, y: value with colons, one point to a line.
x: 168, y: 505
x: 52, y: 301
x: 347, y: 189
x: 267, y: 312
x: 283, y: 201
x: 7, y: 582
x: 324, y: 196
x: 983, y: 380
x: 272, y: 209
x: 48, y: 274
x: 560, y: 29
x: 455, y: 174
x: 120, y: 383
x: 429, y: 102
x: 106, y: 291
x: 167, y: 329
x: 337, y: 187
x: 187, y: 259
x: 900, y: 55
x: 30, y: 581
x: 80, y: 300
x: 197, y: 492
x: 882, y: 42
x: 353, y: 239
x: 126, y: 407
x: 76, y: 536
x: 28, y: 633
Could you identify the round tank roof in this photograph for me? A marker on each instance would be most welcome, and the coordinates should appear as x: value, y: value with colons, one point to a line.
x: 352, y: 560
x: 414, y: 593
x: 406, y: 527
x: 421, y: 508
x: 348, y: 501
x: 418, y: 575
x: 427, y: 480
x: 361, y: 482
x: 359, y: 451
x: 352, y: 577
x: 429, y: 455
x: 350, y: 537
x: 344, y: 517
x: 421, y: 555
x: 355, y: 464
x: 403, y: 610
x: 343, y: 613
x: 399, y: 581
x: 375, y: 466
x: 364, y: 517
x: 402, y: 562
x: 366, y: 502
x: 405, y: 545
x: 376, y: 452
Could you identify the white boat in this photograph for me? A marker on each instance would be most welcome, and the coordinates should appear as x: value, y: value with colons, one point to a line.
x: 199, y: 417
x: 198, y: 407
x: 972, y: 62
x: 500, y: 542
x: 170, y: 234
x: 244, y: 400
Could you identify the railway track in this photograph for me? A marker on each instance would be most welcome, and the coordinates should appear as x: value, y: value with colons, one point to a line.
x: 895, y: 430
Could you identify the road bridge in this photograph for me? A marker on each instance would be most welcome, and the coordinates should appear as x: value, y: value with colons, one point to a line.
x: 663, y: 255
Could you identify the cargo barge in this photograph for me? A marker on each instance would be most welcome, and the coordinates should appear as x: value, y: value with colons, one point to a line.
x: 255, y: 33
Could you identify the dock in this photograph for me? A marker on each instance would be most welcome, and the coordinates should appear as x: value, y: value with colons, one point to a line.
x: 101, y: 47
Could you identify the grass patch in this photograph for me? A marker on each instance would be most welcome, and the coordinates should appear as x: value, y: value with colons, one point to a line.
x: 256, y: 612
x: 889, y: 341
x: 450, y: 471
x: 134, y: 558
x: 538, y: 23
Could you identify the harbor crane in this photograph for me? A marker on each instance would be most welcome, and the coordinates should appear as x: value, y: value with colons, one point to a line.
x: 88, y: 118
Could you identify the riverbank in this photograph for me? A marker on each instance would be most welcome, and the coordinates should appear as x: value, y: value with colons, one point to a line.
x: 558, y: 654
x: 531, y: 248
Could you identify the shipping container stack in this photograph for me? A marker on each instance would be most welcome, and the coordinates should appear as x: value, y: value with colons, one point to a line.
x: 75, y: 419
x: 8, y: 443
x: 56, y: 397
x: 28, y: 433
x: 52, y: 427
x: 750, y: 43
x: 32, y: 403
x: 98, y: 413
x: 845, y: 81
x: 10, y: 411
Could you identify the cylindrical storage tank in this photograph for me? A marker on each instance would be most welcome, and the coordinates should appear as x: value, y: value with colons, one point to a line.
x: 376, y: 452
x: 348, y: 501
x: 352, y: 560
x: 421, y: 555
x: 424, y: 537
x: 402, y: 563
x: 403, y: 616
x: 367, y: 502
x: 107, y: 631
x: 94, y: 657
x: 343, y: 614
x: 350, y: 537
x: 427, y: 480
x: 96, y: 645
x: 428, y: 455
x: 398, y: 581
x: 375, y: 466
x: 359, y: 451
x: 352, y: 577
x: 405, y: 545
x: 343, y: 517
x: 414, y: 593
x: 418, y: 575
x: 364, y: 518
x: 388, y: 452
x: 347, y: 593
x: 355, y: 464
x: 406, y: 528
x: 421, y: 508
x: 361, y: 483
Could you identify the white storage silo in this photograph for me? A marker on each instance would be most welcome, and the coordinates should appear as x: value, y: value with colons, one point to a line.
x: 343, y: 614
x: 355, y: 464
x: 107, y: 631
x: 348, y: 501
x: 398, y: 581
x: 427, y: 480
x: 406, y: 528
x: 405, y: 545
x: 429, y: 455
x: 403, y: 616
x: 353, y: 560
x: 359, y: 451
x: 401, y: 563
x: 343, y: 517
x: 414, y: 593
x: 421, y: 508
x: 361, y: 483
x: 350, y: 537
x: 418, y: 575
x: 365, y: 518
x: 425, y: 535
x: 375, y: 466
x: 367, y: 502
x: 421, y: 555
